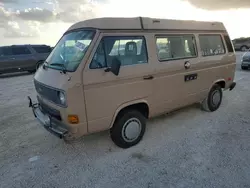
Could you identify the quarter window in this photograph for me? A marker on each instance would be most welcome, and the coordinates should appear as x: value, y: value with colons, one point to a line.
x: 175, y: 47
x: 211, y: 45
x: 128, y: 50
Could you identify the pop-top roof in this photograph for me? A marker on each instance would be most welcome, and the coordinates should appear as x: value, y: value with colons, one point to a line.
x: 139, y: 23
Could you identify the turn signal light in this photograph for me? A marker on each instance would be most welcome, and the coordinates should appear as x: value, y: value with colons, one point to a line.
x: 73, y: 119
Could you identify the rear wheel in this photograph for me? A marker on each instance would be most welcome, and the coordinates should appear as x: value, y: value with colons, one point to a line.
x: 243, y: 68
x: 243, y: 48
x: 213, y: 100
x: 128, y: 128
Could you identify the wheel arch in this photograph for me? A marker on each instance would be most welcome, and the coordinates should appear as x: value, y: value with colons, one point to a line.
x: 220, y: 82
x: 140, y: 105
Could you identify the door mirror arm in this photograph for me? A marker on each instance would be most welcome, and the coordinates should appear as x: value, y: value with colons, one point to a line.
x: 108, y: 69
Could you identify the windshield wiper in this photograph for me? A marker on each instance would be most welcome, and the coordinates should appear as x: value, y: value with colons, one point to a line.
x: 60, y: 65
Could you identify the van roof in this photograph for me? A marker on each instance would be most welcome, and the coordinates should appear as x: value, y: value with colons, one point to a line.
x: 139, y: 23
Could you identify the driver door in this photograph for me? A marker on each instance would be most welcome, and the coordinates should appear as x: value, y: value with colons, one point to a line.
x: 106, y: 92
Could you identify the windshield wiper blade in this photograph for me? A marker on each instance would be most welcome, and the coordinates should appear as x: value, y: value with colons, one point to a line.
x: 61, y: 65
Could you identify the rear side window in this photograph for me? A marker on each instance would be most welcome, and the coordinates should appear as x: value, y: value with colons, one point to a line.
x: 211, y: 45
x: 20, y: 50
x: 228, y: 43
x: 42, y: 49
x: 175, y: 47
x: 128, y: 50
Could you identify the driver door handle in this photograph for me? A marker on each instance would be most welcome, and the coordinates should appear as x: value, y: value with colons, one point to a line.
x: 149, y: 77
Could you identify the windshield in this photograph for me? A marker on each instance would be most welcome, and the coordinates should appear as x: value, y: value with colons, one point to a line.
x: 70, y: 50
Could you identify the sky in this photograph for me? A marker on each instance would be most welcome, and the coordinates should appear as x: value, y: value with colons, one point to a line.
x: 44, y: 21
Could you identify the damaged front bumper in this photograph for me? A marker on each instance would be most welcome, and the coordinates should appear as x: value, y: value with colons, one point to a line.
x: 51, y: 124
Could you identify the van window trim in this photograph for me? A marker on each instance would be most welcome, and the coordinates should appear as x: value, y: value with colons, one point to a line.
x: 222, y: 41
x: 142, y: 36
x: 180, y: 58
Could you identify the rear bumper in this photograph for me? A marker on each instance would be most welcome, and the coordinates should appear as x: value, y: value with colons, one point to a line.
x: 51, y: 124
x: 232, y: 86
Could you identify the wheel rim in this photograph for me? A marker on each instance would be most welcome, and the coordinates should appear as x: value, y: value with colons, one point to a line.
x: 131, y: 129
x: 216, y: 97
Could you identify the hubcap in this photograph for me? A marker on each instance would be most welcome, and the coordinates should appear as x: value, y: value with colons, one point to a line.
x: 131, y: 130
x: 216, y: 98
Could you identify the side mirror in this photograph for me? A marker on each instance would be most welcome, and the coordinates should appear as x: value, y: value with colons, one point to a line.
x: 115, y: 67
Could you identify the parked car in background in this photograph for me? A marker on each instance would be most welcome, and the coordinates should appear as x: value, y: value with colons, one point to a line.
x: 17, y: 58
x: 242, y: 44
x: 245, y: 61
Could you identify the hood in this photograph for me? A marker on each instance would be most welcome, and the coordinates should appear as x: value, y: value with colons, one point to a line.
x: 51, y: 77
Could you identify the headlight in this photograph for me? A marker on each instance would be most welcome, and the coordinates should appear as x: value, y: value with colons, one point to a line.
x: 62, y: 97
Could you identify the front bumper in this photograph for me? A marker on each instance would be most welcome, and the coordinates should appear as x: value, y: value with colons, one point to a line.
x: 51, y: 124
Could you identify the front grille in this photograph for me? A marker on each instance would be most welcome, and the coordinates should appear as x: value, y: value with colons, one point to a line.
x: 48, y: 110
x: 47, y: 92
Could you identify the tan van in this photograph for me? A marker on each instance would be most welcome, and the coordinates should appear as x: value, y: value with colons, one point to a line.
x: 115, y: 73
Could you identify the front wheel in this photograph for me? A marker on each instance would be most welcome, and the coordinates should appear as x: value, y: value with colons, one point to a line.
x: 213, y: 100
x: 128, y: 128
x: 244, y: 48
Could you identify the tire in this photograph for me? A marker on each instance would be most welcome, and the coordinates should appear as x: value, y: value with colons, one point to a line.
x: 243, y: 68
x: 213, y: 100
x: 32, y: 71
x: 243, y: 48
x: 128, y: 129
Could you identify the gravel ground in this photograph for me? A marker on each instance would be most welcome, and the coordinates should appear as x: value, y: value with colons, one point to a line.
x: 188, y: 148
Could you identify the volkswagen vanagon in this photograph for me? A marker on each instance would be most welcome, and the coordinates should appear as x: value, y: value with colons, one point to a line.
x: 115, y: 73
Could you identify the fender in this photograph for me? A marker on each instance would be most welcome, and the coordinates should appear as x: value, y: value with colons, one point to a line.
x: 124, y: 105
x: 219, y: 80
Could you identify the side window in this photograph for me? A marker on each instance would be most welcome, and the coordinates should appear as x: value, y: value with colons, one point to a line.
x: 20, y: 50
x: 5, y: 51
x: 211, y: 45
x: 228, y: 43
x: 42, y: 49
x: 175, y: 47
x: 129, y: 50
x: 1, y: 52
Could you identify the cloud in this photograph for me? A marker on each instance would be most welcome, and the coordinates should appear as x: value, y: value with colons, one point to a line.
x: 8, y: 1
x: 36, y: 14
x: 4, y: 16
x: 77, y: 13
x: 220, y: 4
x: 64, y: 11
x: 12, y: 30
